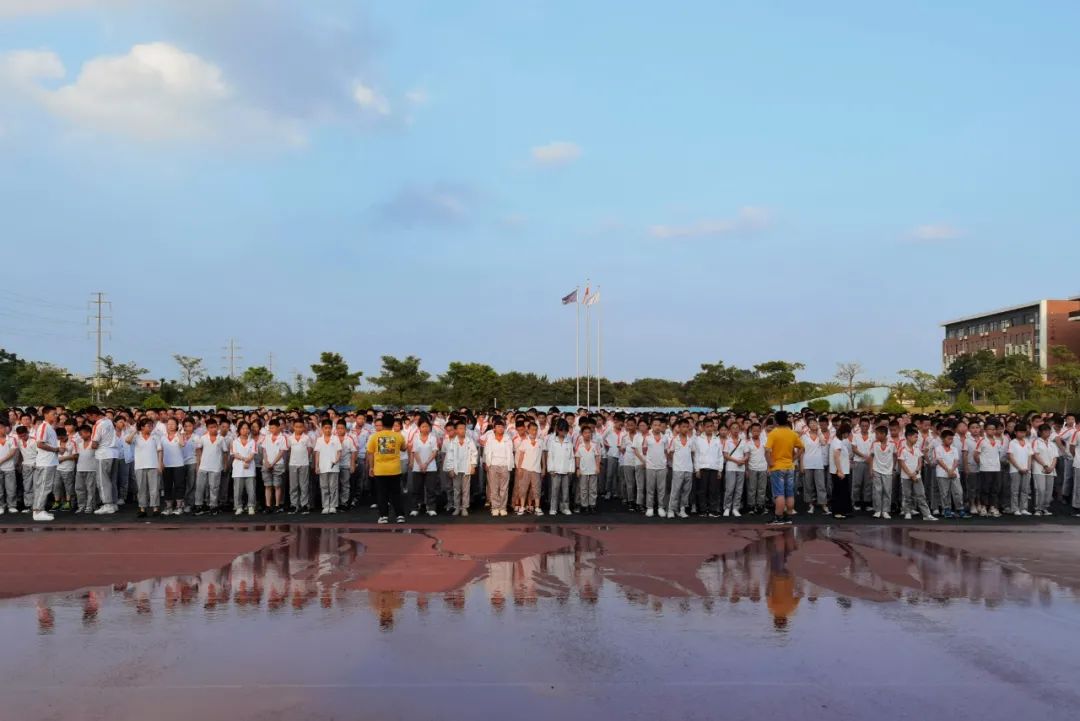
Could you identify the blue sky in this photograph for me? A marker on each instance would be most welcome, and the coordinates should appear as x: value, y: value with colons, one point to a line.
x: 745, y: 181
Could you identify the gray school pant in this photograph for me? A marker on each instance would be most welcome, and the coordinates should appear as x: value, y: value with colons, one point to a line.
x: 242, y: 485
x: 913, y: 496
x: 44, y: 478
x: 1064, y: 476
x: 560, y: 492
x: 9, y: 491
x: 124, y: 482
x: 733, y: 489
x: 679, y: 498
x: 461, y: 485
x: 587, y: 491
x: 814, y: 486
x: 225, y: 486
x: 1044, y: 490
x: 882, y: 492
x: 328, y: 489
x: 344, y: 492
x: 106, y: 491
x: 85, y: 490
x: 970, y: 480
x: 274, y: 477
x: 929, y: 483
x: 630, y: 491
x: 498, y: 483
x: 65, y: 485
x: 207, y: 487
x: 757, y: 493
x: 148, y: 487
x: 28, y: 473
x: 189, y: 491
x: 299, y: 487
x: 656, y: 488
x: 862, y: 490
x: 1019, y: 490
x: 611, y: 477
x: 951, y: 493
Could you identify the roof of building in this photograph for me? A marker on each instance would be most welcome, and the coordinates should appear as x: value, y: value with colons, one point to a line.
x: 998, y: 311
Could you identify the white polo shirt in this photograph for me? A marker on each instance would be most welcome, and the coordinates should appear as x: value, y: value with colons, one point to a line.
x: 239, y: 449
x: 948, y: 456
x: 213, y: 453
x: 589, y: 457
x: 736, y: 450
x: 560, y: 455
x: 813, y: 456
x: 46, y: 434
x: 327, y: 452
x: 655, y: 452
x: 1021, y: 454
x: 532, y: 452
x: 862, y: 444
x: 836, y: 445
x: 989, y: 454
x: 682, y: 454
x: 708, y: 452
x: 145, y: 451
x: 884, y: 455
x: 104, y: 433
x: 910, y: 456
x: 298, y: 449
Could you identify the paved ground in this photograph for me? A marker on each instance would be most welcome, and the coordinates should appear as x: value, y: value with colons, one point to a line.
x: 539, y: 620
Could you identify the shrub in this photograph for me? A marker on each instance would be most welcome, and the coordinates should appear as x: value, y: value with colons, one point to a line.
x: 819, y: 406
x: 79, y: 404
x: 892, y: 406
x: 155, y: 402
x: 963, y: 404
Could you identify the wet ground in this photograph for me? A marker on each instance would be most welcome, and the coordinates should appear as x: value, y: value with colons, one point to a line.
x: 539, y: 622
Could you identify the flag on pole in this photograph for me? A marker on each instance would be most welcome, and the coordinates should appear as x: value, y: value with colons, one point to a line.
x: 570, y: 298
x: 591, y: 299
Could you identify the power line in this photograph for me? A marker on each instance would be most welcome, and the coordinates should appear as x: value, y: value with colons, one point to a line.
x: 231, y: 357
x: 97, y: 304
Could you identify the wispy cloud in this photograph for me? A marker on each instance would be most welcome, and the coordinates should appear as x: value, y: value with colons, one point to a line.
x: 435, y: 205
x: 557, y: 152
x: 369, y: 99
x: 932, y: 232
x: 748, y: 219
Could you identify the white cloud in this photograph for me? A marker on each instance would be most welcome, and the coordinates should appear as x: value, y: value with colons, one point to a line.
x: 154, y: 92
x: 557, y: 152
x: 417, y: 96
x: 749, y: 219
x: 435, y: 205
x: 370, y: 99
x: 935, y: 232
x: 16, y: 8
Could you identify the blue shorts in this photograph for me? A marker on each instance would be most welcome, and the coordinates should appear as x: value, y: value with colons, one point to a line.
x: 783, y: 483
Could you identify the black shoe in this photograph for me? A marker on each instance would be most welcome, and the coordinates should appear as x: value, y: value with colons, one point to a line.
x: 141, y: 514
x: 305, y: 510
x: 199, y: 511
x: 293, y: 509
x: 777, y: 521
x: 215, y: 511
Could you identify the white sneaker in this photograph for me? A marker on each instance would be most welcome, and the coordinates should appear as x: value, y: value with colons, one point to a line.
x: 877, y: 514
x: 825, y: 510
x: 520, y: 512
x: 42, y: 516
x: 238, y: 512
x: 886, y: 516
x: 930, y: 517
x: 540, y: 512
x: 856, y: 508
x: 995, y: 513
x: 432, y: 513
x: 251, y: 510
x: 325, y: 511
x: 735, y: 512
x: 414, y: 512
x: 464, y: 511
x: 810, y: 510
x: 494, y: 513
x: 108, y: 509
x: 12, y: 509
x: 661, y: 512
x: 383, y: 519
x: 907, y: 516
x: 1, y: 510
x: 332, y: 510
x: 727, y: 513
x: 566, y: 512
x: 649, y: 513
x: 683, y: 514
x: 1025, y: 513
x: 1016, y: 513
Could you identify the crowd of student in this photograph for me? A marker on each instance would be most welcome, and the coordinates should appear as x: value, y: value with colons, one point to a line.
x: 666, y: 465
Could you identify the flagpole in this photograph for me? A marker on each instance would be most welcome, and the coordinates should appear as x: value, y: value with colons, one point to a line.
x: 588, y: 352
x: 599, y: 336
x: 577, y: 351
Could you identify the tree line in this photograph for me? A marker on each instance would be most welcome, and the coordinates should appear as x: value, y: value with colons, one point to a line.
x: 1013, y: 381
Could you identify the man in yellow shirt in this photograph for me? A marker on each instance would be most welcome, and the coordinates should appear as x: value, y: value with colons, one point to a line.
x: 384, y: 450
x: 782, y: 450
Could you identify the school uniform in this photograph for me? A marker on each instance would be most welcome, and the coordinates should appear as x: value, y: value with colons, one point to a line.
x: 327, y: 455
x: 682, y: 470
x: 989, y: 460
x: 612, y: 452
x: 757, y: 474
x: 882, y: 468
x: 561, y: 466
x: 45, y: 465
x: 970, y: 478
x: 1044, y: 464
x: 708, y: 463
x: 27, y: 459
x: 912, y: 489
x: 243, y: 473
x: 64, y: 486
x: 950, y: 490
x: 459, y: 461
x: 527, y: 478
x: 588, y: 455
x: 174, y: 476
x: 86, y: 468
x: 424, y: 478
x: 190, y: 472
x: 1019, y: 478
x: 299, y: 470
x: 104, y: 433
x: 208, y: 477
x: 815, y: 486
x: 656, y: 467
x: 275, y: 449
x: 9, y: 489
x: 499, y: 461
x: 861, y: 485
x: 840, y: 501
x: 361, y: 482
x: 147, y: 466
x: 345, y: 469
x: 734, y: 474
x: 631, y: 469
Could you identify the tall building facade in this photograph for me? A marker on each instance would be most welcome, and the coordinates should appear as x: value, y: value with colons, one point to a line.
x: 1030, y: 330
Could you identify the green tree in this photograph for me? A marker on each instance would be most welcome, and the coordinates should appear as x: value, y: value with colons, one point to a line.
x: 1021, y: 373
x: 716, y: 384
x: 260, y: 385
x: 1064, y: 374
x: 334, y: 382
x: 968, y: 366
x: 777, y: 378
x: 216, y: 391
x: 401, y: 380
x: 1000, y: 393
x: 892, y: 405
x: 474, y: 385
x: 154, y: 402
x: 848, y: 375
x: 44, y: 383
x: 920, y: 387
x: 518, y: 389
x: 9, y: 368
x: 118, y: 380
x: 191, y: 368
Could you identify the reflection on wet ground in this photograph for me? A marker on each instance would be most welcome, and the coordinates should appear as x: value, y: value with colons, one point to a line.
x: 570, y: 616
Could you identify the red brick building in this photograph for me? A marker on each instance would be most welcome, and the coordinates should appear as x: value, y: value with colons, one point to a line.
x: 1030, y: 330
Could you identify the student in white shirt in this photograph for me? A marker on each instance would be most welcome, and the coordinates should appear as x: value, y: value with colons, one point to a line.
x: 654, y: 447
x: 148, y: 461
x: 946, y: 460
x: 299, y: 469
x: 243, y: 450
x: 424, y: 467
x: 86, y: 469
x: 460, y: 462
x: 912, y: 490
x: 988, y: 456
x: 681, y: 455
x: 210, y: 450
x: 708, y: 461
x: 757, y: 473
x: 812, y: 467
x: 190, y: 465
x: 174, y: 474
x: 612, y: 442
x: 861, y: 484
x: 736, y: 457
x: 632, y: 465
x: 327, y: 455
x: 840, y: 450
x: 64, y: 490
x: 530, y: 465
x: 1044, y: 469
x: 588, y: 455
x: 883, y: 462
x: 274, y: 448
x: 9, y: 451
x: 498, y: 462
x: 346, y: 465
x: 561, y: 464
x: 1020, y: 461
x: 46, y: 460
